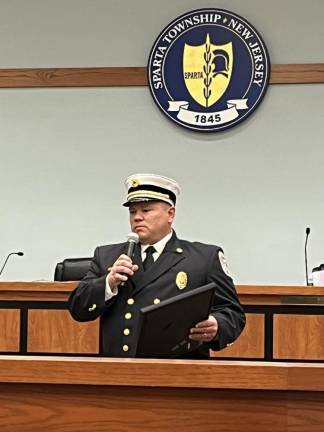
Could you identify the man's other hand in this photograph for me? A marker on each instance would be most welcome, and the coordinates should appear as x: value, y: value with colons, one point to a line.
x: 205, y: 331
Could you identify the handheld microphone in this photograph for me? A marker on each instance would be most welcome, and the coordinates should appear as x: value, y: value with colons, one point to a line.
x: 132, y: 239
x: 6, y: 260
x: 306, y: 264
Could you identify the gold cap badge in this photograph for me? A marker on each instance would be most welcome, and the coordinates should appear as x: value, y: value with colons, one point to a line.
x: 135, y: 182
x: 181, y: 280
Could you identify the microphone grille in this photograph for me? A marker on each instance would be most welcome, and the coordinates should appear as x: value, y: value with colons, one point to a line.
x: 133, y: 237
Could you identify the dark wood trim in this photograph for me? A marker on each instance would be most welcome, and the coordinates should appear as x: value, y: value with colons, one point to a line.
x: 134, y: 76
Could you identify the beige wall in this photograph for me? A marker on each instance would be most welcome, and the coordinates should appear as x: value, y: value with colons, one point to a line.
x: 65, y: 152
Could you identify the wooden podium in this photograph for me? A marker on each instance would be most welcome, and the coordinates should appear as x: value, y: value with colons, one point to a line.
x: 60, y: 394
x: 283, y: 323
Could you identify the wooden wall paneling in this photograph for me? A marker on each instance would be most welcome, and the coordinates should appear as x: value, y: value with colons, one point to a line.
x: 84, y: 340
x: 55, y: 331
x: 298, y: 337
x: 9, y: 330
x: 135, y: 76
x: 251, y: 341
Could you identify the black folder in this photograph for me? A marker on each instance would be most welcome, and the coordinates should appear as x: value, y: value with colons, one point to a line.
x: 164, y: 328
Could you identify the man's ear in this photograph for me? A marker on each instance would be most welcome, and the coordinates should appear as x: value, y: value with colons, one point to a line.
x: 171, y: 213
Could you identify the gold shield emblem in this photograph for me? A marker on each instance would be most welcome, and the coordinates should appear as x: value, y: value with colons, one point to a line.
x: 181, y: 280
x: 207, y: 71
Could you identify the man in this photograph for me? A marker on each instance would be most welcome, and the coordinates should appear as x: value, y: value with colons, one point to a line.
x: 117, y: 286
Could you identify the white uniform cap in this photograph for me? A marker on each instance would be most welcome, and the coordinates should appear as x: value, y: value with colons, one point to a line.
x: 148, y: 187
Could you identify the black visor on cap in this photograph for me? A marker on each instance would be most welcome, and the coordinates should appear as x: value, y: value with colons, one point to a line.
x: 153, y: 188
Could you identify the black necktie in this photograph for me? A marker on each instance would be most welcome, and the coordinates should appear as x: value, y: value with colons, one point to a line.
x: 149, y: 260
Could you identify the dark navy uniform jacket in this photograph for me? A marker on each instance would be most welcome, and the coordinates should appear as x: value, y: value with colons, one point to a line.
x: 120, y: 315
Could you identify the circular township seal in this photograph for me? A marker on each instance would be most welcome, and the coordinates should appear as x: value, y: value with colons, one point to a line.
x: 208, y: 70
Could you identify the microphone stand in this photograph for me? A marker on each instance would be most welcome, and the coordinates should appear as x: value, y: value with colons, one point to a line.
x: 306, y: 264
x: 6, y: 260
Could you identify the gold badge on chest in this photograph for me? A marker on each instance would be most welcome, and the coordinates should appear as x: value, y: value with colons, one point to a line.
x: 181, y: 280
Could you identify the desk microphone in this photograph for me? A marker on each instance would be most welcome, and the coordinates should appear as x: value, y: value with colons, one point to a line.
x: 306, y: 265
x: 12, y: 253
x: 132, y: 239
